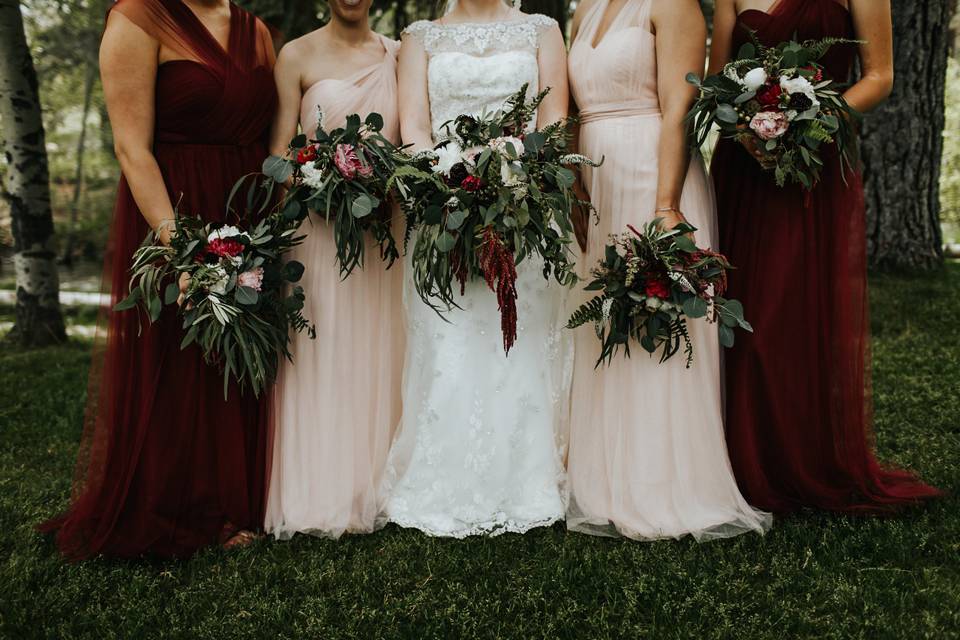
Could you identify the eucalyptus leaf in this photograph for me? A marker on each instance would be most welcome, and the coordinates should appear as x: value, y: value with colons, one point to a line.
x: 277, y: 168
x: 446, y: 242
x: 362, y: 206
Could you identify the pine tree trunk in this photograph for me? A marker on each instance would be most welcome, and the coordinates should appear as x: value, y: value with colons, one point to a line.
x: 27, y: 188
x: 556, y: 9
x: 903, y: 143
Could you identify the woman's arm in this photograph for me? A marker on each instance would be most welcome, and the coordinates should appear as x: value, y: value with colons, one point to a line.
x: 286, y: 74
x: 873, y: 24
x: 553, y: 75
x: 128, y: 66
x: 681, y: 35
x: 581, y: 217
x: 724, y: 22
x: 414, y: 98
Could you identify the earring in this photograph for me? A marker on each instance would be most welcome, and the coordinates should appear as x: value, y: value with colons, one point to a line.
x: 516, y: 4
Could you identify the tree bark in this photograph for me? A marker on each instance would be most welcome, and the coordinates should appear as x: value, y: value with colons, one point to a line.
x: 903, y: 143
x: 27, y: 188
x: 556, y: 9
x: 89, y: 81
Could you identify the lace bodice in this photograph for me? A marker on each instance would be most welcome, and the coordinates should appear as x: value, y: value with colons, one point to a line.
x: 475, y: 67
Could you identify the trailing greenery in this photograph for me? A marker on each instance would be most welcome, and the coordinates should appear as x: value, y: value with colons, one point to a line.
x: 812, y: 576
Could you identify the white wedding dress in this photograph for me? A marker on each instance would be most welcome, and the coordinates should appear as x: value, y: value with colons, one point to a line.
x: 481, y: 444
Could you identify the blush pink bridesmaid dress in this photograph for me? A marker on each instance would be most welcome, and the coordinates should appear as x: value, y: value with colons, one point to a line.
x: 647, y: 453
x: 335, y: 408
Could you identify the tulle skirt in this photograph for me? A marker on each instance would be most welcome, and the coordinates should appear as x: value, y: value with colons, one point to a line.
x: 798, y: 401
x: 335, y: 407
x: 647, y: 453
x: 167, y: 465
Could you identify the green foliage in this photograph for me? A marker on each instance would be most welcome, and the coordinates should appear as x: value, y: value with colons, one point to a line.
x: 813, y: 576
x: 358, y: 204
x: 650, y: 282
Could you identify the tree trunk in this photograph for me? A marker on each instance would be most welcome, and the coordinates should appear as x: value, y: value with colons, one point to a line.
x: 27, y: 188
x: 89, y: 82
x: 903, y: 143
x: 556, y: 9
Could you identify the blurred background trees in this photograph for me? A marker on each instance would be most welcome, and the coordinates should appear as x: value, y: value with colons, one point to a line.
x: 909, y: 188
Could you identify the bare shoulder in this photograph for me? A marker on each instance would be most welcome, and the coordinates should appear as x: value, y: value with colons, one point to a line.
x: 294, y: 53
x: 686, y: 12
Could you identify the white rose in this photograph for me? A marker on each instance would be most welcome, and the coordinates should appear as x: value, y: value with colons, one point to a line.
x: 799, y: 85
x: 755, y: 79
x: 447, y: 157
x: 312, y: 176
x: 226, y: 232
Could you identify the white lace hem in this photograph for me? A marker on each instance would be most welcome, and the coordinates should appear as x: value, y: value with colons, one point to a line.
x: 490, y: 528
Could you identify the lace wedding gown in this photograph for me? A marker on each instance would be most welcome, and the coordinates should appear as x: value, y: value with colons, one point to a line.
x: 480, y: 447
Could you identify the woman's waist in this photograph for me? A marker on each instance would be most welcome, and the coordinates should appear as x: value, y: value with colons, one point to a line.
x: 619, y: 110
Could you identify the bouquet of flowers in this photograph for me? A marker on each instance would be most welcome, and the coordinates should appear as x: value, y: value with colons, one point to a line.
x: 489, y: 196
x: 780, y: 97
x: 651, y: 281
x: 342, y: 175
x: 237, y: 306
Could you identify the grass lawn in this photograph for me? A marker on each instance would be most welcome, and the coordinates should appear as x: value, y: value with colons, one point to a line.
x: 814, y: 575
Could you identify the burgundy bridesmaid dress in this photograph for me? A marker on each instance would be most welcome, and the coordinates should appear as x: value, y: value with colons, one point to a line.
x: 166, y: 465
x: 798, y: 404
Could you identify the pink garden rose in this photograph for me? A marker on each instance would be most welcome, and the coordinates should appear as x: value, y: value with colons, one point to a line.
x: 770, y: 125
x: 350, y: 162
x: 252, y: 279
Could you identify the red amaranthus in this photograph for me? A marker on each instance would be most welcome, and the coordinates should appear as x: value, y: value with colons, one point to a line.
x: 500, y: 272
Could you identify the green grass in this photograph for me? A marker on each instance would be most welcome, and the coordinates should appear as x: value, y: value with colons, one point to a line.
x: 814, y: 575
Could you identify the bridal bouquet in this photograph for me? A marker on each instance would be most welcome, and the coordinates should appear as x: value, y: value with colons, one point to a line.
x: 237, y: 306
x: 651, y: 281
x: 342, y: 175
x: 780, y: 97
x: 488, y: 197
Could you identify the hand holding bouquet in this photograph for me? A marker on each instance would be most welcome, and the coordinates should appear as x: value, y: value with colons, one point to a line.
x: 236, y: 307
x: 779, y: 102
x: 342, y: 175
x: 651, y: 282
x: 489, y: 196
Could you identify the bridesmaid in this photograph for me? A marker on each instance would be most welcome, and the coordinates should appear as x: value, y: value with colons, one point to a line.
x: 335, y: 410
x: 798, y: 415
x: 647, y: 454
x: 167, y: 466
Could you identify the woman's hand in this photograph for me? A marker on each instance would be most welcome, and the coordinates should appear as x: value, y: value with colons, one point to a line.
x: 184, y: 283
x: 669, y: 219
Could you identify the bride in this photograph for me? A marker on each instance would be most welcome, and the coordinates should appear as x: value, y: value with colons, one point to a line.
x: 481, y: 441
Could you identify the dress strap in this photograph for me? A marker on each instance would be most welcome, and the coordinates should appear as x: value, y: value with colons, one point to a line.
x: 588, y: 28
x: 637, y: 14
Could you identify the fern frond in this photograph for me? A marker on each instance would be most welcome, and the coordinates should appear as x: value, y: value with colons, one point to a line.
x: 592, y: 311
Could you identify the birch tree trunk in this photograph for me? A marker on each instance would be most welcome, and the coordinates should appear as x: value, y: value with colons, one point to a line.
x: 903, y: 142
x: 27, y: 188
